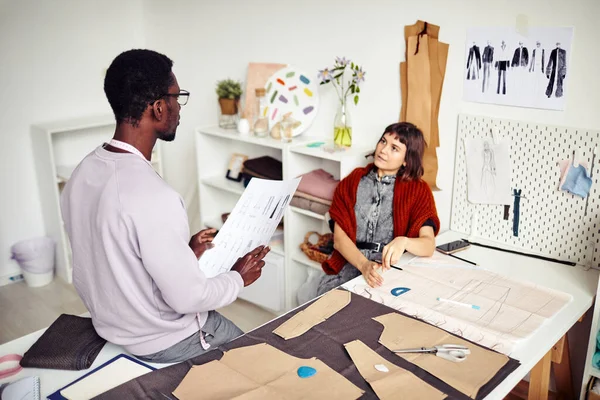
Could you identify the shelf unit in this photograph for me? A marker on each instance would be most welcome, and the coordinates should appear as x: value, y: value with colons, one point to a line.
x: 590, y: 371
x: 277, y: 287
x: 58, y: 147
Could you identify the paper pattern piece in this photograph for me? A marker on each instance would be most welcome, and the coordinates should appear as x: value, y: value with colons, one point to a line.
x: 505, y: 67
x: 510, y: 310
x: 263, y: 372
x: 114, y: 374
x: 318, y: 312
x: 468, y: 376
x: 488, y: 171
x: 421, y: 81
x: 397, y: 383
x: 251, y: 223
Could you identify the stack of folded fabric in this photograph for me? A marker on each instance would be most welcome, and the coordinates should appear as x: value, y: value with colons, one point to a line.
x: 264, y: 167
x: 315, y: 191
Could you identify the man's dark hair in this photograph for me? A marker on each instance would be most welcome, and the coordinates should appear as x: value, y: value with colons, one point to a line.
x: 134, y: 80
x: 413, y: 139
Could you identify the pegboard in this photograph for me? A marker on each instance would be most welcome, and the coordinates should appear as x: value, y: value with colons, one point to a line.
x: 551, y: 222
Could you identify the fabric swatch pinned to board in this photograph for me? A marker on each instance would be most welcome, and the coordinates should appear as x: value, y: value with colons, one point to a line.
x: 574, y: 179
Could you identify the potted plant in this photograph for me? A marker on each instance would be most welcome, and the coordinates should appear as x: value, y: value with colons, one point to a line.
x: 229, y: 92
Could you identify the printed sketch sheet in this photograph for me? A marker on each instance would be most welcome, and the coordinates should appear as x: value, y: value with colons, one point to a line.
x: 488, y: 171
x: 527, y: 69
x: 251, y: 223
x: 510, y: 310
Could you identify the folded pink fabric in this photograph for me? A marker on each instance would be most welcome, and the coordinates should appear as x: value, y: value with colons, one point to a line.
x: 318, y: 183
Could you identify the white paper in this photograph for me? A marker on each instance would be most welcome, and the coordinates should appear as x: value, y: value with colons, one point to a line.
x: 509, y: 310
x: 251, y: 223
x: 488, y: 171
x: 114, y: 374
x: 499, y: 71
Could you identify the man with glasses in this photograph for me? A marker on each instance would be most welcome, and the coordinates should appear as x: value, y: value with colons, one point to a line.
x: 134, y: 265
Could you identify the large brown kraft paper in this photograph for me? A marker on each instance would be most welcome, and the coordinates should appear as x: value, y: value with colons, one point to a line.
x: 263, y: 372
x: 468, y: 376
x: 391, y: 384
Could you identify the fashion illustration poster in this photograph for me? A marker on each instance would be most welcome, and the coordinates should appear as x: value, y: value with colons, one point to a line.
x: 505, y: 67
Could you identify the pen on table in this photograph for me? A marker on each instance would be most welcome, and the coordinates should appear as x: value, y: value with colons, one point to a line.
x: 458, y: 303
x: 462, y: 259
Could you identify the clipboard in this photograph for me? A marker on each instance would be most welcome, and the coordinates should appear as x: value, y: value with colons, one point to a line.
x: 58, y: 396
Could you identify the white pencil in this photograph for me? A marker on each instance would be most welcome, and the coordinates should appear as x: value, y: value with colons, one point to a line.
x: 459, y: 303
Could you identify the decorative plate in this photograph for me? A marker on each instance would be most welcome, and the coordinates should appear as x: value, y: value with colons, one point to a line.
x: 291, y: 90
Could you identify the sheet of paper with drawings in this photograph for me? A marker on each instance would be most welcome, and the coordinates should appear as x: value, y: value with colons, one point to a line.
x: 329, y: 304
x: 468, y: 376
x: 263, y: 372
x: 388, y: 380
x: 508, y: 310
x: 488, y: 171
x: 251, y: 223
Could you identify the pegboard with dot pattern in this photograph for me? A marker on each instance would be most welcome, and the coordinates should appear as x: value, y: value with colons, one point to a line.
x: 551, y: 222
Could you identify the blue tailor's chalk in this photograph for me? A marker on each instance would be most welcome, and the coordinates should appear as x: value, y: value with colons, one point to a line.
x: 306, y: 372
x: 399, y: 290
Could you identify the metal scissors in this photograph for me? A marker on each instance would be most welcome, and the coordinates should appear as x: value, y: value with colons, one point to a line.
x: 450, y: 352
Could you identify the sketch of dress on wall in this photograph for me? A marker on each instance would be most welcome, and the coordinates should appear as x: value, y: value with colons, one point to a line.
x: 537, y: 58
x: 502, y: 64
x: 488, y: 171
x: 488, y: 59
x: 520, y: 57
x: 473, y: 63
x: 556, y: 71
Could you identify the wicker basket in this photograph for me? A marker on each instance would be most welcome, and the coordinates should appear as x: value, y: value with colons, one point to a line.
x: 312, y: 249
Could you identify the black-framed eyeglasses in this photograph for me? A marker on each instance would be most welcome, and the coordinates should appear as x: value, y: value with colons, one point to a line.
x: 182, y: 97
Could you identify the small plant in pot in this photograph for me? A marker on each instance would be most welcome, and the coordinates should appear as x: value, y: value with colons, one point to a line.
x: 229, y: 92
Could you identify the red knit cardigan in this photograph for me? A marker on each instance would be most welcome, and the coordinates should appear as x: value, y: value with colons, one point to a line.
x: 413, y: 204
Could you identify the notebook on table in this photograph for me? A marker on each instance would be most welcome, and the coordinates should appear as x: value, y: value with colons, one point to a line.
x: 113, y: 373
x: 22, y: 389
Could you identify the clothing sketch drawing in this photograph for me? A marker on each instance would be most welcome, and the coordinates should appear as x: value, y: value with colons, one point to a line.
x: 488, y: 171
x: 488, y: 59
x: 520, y: 57
x: 473, y: 63
x: 502, y: 64
x: 556, y: 71
x: 537, y: 59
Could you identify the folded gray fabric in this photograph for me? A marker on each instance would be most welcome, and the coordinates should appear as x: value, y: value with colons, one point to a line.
x: 70, y: 343
x: 309, y: 205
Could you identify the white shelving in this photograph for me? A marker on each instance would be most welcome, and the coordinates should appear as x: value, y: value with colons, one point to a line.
x: 214, y: 147
x: 590, y: 370
x: 58, y: 147
x: 308, y: 213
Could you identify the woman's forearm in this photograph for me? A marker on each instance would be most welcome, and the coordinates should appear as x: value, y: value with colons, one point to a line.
x: 347, y: 248
x: 424, y: 245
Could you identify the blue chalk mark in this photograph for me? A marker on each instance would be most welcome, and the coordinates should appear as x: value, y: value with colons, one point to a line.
x: 306, y: 372
x: 399, y: 290
x: 304, y: 79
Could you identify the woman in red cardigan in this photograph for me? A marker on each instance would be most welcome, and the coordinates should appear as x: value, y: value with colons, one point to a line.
x: 382, y: 210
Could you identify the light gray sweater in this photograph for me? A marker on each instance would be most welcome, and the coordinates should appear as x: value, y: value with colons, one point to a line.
x: 132, y: 265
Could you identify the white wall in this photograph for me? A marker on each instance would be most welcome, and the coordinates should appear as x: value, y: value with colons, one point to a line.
x: 53, y: 58
x: 211, y: 41
x: 54, y: 54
